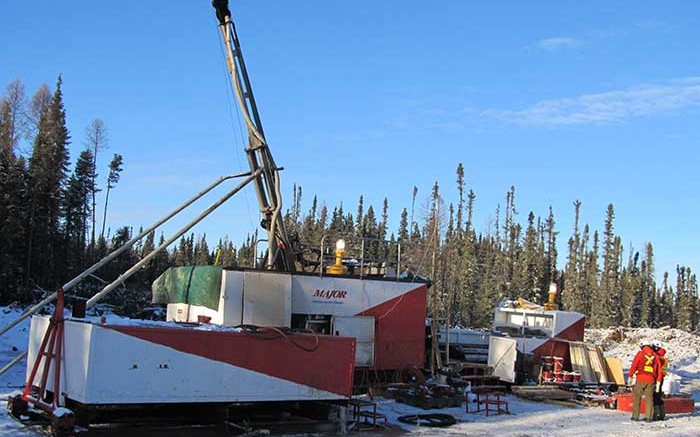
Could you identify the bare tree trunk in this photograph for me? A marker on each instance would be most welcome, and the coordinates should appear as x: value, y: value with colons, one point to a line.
x: 104, y: 213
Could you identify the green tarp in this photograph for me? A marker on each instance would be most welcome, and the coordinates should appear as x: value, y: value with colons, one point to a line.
x: 195, y: 285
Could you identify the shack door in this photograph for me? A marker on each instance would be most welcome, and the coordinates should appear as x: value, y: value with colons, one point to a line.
x: 362, y: 328
x: 502, y: 356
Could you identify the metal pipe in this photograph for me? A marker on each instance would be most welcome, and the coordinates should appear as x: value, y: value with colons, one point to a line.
x: 255, y: 251
x: 70, y: 284
x: 147, y: 231
x: 13, y: 362
x: 29, y: 312
x: 128, y: 244
x: 124, y: 276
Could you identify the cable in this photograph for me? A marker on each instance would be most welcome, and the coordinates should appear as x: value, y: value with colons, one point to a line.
x: 273, y: 333
x: 317, y: 341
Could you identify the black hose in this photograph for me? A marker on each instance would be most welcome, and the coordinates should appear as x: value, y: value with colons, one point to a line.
x: 273, y: 332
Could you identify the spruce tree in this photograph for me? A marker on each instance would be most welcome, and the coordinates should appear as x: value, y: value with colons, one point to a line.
x: 460, y: 200
x: 550, y: 249
x: 14, y: 181
x: 360, y: 226
x: 9, y: 204
x: 181, y: 254
x: 650, y: 306
x: 605, y: 308
x: 686, y: 299
x: 321, y: 224
x: 429, y: 251
x: 470, y: 209
x: 694, y: 303
x: 527, y: 277
x: 492, y: 288
x: 469, y: 278
x: 384, y: 221
x: 292, y: 219
x: 403, y: 227
x: 149, y: 271
x: 337, y: 221
x: 76, y: 212
x: 571, y: 294
x: 48, y: 168
x: 591, y: 275
x: 225, y: 253
x: 371, y: 234
x: 630, y: 293
x: 201, y: 252
x: 616, y: 299
x: 126, y: 259
x: 309, y: 233
x: 666, y: 304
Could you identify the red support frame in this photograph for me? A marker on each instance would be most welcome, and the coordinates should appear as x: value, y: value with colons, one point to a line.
x: 51, y: 349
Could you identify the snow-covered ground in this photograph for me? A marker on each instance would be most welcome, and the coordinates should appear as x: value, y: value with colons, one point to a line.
x: 683, y: 349
x: 527, y: 418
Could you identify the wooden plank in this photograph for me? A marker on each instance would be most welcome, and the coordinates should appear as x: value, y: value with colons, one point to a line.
x: 580, y: 361
x: 595, y: 357
x: 616, y: 372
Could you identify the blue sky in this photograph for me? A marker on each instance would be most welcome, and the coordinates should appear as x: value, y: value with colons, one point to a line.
x: 595, y: 101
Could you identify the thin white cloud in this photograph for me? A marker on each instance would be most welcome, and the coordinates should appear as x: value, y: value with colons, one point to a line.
x: 605, y: 108
x: 554, y: 44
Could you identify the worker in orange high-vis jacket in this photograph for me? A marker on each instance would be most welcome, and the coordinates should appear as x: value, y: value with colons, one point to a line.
x: 659, y: 406
x: 646, y: 373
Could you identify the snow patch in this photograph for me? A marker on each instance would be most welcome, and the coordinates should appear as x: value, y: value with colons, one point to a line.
x: 60, y: 412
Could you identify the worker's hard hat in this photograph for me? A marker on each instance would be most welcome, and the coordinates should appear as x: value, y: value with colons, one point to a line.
x: 644, y: 343
x: 655, y: 344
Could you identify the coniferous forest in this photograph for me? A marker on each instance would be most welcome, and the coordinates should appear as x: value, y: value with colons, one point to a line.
x: 50, y: 231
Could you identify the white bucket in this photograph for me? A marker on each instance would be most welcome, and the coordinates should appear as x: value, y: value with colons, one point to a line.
x: 672, y: 384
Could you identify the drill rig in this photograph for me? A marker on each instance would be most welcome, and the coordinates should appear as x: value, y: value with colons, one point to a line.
x: 274, y: 332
